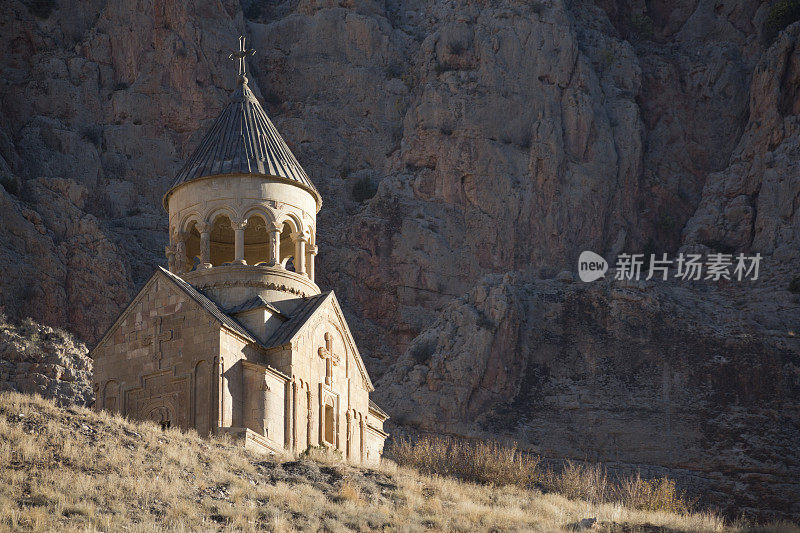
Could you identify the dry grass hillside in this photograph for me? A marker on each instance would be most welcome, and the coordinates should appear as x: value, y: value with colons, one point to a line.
x: 70, y: 469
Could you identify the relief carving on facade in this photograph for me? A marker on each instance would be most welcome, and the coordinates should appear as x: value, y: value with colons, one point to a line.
x: 331, y: 358
x: 161, y: 389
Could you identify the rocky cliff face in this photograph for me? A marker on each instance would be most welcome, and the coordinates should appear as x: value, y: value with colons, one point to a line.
x: 453, y: 141
x: 36, y: 359
x: 664, y: 378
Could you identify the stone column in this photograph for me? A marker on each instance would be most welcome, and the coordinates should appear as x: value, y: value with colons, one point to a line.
x: 294, y: 417
x: 238, y: 239
x: 308, y: 422
x: 180, y: 254
x: 299, y: 252
x: 170, y: 251
x: 311, y: 252
x: 205, y: 244
x: 274, y: 231
x: 361, y: 438
x: 348, y: 416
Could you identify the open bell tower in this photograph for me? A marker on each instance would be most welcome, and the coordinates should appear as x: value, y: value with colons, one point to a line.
x: 235, y: 337
x: 242, y: 211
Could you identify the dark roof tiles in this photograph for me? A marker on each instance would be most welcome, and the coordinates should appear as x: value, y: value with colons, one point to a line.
x: 374, y: 406
x: 208, y: 305
x: 256, y: 302
x: 243, y: 140
x: 287, y: 330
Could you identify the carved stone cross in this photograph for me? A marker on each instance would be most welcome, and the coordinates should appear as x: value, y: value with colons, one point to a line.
x: 331, y: 358
x: 159, y: 337
x: 239, y: 55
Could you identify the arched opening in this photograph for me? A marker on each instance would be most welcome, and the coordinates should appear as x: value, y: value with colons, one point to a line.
x: 110, y: 396
x: 287, y: 246
x: 329, y: 424
x: 256, y: 241
x: 162, y: 416
x: 222, y: 241
x: 192, y: 258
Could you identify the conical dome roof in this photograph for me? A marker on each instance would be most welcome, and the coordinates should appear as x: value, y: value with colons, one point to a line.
x: 243, y: 140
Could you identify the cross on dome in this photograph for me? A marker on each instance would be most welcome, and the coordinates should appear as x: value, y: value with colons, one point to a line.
x: 240, y: 55
x: 243, y: 140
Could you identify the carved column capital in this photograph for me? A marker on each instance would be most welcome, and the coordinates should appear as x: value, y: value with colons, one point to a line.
x: 274, y: 226
x: 238, y: 224
x: 298, y: 236
x: 203, y: 227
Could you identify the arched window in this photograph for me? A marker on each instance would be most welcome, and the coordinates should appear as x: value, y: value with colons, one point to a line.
x: 287, y: 244
x: 330, y: 423
x: 256, y: 240
x: 222, y: 241
x: 192, y: 258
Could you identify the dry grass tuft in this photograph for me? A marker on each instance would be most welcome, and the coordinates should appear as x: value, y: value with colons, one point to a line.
x: 75, y: 470
x: 495, y: 464
x: 476, y: 462
x: 349, y: 492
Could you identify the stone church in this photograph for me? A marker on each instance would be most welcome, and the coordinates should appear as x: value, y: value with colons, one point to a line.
x: 236, y: 337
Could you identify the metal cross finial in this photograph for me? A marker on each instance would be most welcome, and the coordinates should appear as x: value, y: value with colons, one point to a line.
x: 240, y: 54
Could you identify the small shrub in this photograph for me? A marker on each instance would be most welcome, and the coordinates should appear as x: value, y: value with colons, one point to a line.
x: 457, y: 48
x: 580, y: 482
x: 120, y: 86
x: 442, y: 67
x: 665, y: 222
x: 484, y: 322
x: 607, y: 58
x: 794, y: 285
x: 409, y: 79
x: 42, y: 8
x: 477, y: 462
x: 422, y: 351
x: 781, y: 14
x: 654, y: 495
x: 349, y: 492
x: 537, y: 7
x: 364, y: 189
x: 253, y: 10
x: 93, y: 134
x: 9, y: 183
x: 642, y: 25
x: 720, y: 247
x: 495, y: 464
x: 394, y: 70
x: 272, y: 98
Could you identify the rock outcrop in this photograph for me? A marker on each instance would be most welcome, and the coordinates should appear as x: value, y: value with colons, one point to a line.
x: 451, y: 141
x: 660, y: 377
x: 36, y: 359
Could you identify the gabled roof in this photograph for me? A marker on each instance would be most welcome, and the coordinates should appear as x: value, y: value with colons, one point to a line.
x: 198, y: 297
x: 256, y: 302
x: 208, y: 305
x: 243, y: 140
x: 374, y: 406
x: 290, y: 329
x: 286, y: 331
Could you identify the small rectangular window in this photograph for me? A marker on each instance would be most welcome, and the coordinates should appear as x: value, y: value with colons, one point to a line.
x: 329, y: 424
